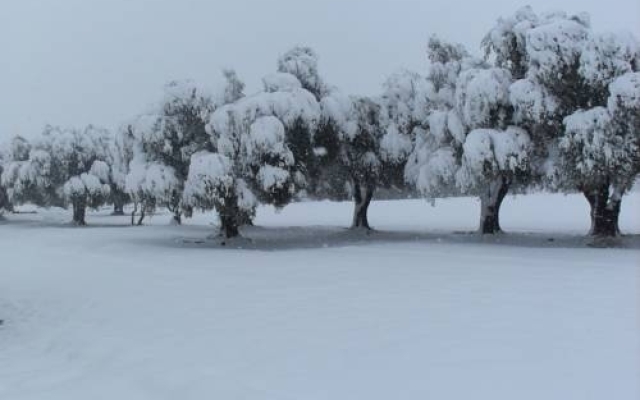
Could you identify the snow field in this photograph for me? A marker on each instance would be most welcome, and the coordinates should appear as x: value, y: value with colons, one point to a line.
x: 412, y: 311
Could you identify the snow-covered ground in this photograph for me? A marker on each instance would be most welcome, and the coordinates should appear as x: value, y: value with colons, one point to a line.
x: 421, y: 309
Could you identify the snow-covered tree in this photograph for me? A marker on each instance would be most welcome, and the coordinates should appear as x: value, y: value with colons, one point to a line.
x: 468, y: 144
x: 11, y: 154
x: 356, y: 122
x: 165, y: 139
x: 65, y: 166
x: 254, y: 157
x: 600, y: 159
x: 564, y: 72
x: 494, y: 153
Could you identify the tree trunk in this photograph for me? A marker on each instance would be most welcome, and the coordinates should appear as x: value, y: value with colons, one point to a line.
x: 362, y: 195
x: 229, y: 226
x: 142, y: 215
x: 230, y: 217
x: 133, y: 213
x: 177, y: 217
x: 604, y: 212
x: 490, y: 204
x: 79, y: 212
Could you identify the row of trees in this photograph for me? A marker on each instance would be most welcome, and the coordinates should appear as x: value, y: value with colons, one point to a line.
x: 552, y: 105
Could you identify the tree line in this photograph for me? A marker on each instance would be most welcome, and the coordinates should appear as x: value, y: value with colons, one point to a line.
x: 552, y: 105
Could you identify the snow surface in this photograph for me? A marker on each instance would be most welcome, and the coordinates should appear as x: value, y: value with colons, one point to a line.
x: 420, y: 309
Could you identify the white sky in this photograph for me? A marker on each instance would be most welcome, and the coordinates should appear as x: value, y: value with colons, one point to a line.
x: 73, y: 62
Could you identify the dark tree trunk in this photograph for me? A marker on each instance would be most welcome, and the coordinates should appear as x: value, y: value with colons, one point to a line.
x: 604, y: 212
x: 177, y: 217
x: 133, y: 213
x: 362, y: 196
x: 142, y: 215
x: 615, y: 208
x: 230, y: 218
x: 229, y: 226
x: 79, y: 212
x: 490, y: 204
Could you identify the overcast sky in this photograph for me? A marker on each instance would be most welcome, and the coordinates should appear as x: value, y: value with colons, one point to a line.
x: 73, y: 62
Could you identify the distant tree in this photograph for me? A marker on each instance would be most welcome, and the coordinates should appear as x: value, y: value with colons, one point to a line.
x: 15, y: 151
x: 64, y: 167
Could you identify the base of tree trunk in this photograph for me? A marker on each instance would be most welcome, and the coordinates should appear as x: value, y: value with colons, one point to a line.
x: 605, y: 225
x: 362, y: 196
x: 229, y: 227
x: 177, y: 219
x: 605, y: 213
x: 142, y: 215
x: 118, y: 213
x: 79, y: 214
x: 490, y: 204
x: 490, y: 225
